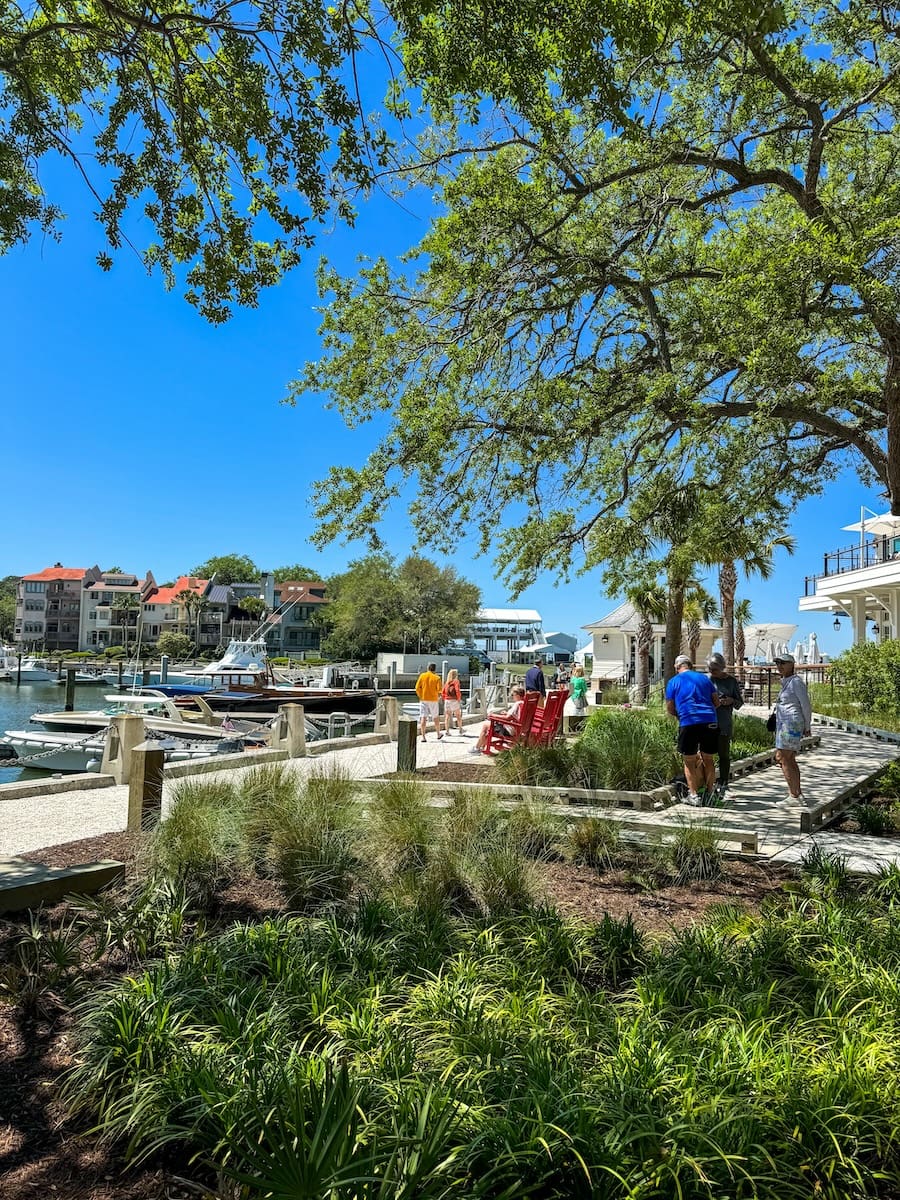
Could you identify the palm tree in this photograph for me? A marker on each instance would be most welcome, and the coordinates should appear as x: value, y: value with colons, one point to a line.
x: 192, y: 602
x: 699, y: 610
x: 649, y: 600
x: 742, y: 617
x: 127, y: 603
x: 751, y: 546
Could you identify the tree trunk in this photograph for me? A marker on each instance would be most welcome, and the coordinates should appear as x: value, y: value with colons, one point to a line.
x: 727, y: 589
x: 740, y: 645
x: 642, y: 666
x: 892, y: 411
x: 693, y: 639
x: 674, y: 614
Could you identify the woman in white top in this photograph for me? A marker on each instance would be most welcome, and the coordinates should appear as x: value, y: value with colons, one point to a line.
x: 793, y: 720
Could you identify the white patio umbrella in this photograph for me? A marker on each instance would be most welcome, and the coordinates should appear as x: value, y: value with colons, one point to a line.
x: 885, y: 523
x: 799, y: 652
x: 767, y: 639
x: 815, y: 654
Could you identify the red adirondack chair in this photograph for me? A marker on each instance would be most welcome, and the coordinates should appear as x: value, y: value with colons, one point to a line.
x: 505, y: 732
x: 548, y: 720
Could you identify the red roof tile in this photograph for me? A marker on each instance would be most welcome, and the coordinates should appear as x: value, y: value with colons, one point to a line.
x: 166, y: 595
x: 49, y: 573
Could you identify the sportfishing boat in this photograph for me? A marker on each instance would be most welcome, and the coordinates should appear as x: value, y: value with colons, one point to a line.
x: 33, y: 671
x: 244, y: 681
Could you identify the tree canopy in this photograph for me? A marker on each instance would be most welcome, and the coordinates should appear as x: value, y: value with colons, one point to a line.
x: 235, y: 129
x: 8, y: 585
x: 228, y: 568
x: 296, y: 571
x: 376, y: 605
x: 708, y: 289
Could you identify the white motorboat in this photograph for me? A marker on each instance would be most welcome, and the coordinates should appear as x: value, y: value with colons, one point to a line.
x: 33, y: 670
x: 46, y: 751
x: 161, y: 715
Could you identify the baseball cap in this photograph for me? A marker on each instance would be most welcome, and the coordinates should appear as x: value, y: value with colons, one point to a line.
x: 683, y: 658
x: 716, y: 660
x: 784, y: 658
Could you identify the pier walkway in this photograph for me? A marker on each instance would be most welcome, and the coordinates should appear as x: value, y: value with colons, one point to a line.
x: 841, y: 762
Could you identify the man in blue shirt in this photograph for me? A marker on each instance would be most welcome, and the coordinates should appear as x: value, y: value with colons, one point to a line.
x: 691, y: 697
x: 534, y: 678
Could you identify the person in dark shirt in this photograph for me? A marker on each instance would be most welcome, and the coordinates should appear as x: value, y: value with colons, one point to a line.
x: 534, y: 678
x: 730, y: 698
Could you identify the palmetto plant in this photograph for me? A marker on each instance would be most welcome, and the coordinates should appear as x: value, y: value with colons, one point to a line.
x: 127, y: 603
x: 699, y: 610
x: 649, y: 600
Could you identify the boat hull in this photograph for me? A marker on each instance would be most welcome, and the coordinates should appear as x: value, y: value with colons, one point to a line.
x: 71, y: 753
x: 356, y: 703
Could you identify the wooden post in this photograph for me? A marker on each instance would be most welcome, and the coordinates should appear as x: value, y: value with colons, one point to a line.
x: 386, y: 716
x: 125, y: 732
x: 164, y: 668
x: 295, y: 735
x: 145, y: 677
x: 19, y: 671
x: 59, y: 673
x: 407, y: 732
x: 121, y: 685
x: 70, y: 688
x: 145, y: 786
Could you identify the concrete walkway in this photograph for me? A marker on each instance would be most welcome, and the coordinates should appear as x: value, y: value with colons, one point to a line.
x: 757, y: 801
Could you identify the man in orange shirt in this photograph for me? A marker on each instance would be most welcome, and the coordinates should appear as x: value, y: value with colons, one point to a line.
x: 428, y: 689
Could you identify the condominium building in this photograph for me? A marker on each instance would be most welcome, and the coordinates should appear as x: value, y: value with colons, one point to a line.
x: 48, y: 607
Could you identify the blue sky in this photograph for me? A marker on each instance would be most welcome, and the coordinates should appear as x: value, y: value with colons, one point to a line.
x: 138, y: 435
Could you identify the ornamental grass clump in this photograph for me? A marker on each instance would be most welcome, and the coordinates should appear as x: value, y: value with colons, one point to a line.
x: 695, y: 854
x: 635, y: 750
x: 312, y: 846
x: 592, y: 842
x: 200, y: 843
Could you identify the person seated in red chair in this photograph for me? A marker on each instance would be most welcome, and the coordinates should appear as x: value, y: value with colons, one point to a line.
x: 513, y: 712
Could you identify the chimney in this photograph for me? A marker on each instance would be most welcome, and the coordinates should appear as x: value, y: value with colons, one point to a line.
x: 267, y: 589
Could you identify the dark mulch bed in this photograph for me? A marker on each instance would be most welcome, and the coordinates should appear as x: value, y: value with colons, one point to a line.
x: 582, y: 892
x: 479, y: 770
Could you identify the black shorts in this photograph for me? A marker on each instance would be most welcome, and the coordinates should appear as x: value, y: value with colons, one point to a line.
x: 704, y: 738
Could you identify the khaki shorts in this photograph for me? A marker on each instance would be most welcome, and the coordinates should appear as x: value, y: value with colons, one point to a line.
x: 429, y: 709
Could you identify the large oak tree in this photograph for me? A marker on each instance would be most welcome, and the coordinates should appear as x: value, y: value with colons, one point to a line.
x: 708, y: 286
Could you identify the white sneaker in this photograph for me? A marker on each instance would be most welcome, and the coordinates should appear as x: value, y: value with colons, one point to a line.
x: 693, y: 799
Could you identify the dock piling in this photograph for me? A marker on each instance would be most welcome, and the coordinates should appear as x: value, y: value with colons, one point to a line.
x: 407, y: 731
x: 70, y: 689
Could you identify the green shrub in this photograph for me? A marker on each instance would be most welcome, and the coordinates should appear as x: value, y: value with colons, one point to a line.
x: 593, y: 842
x: 888, y: 782
x: 873, y: 819
x: 751, y: 731
x: 695, y: 854
x: 401, y: 827
x: 614, y: 695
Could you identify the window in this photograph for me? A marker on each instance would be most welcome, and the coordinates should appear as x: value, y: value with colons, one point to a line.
x: 95, y: 595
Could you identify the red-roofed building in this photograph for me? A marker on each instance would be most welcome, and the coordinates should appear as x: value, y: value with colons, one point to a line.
x: 48, y: 607
x: 167, y: 610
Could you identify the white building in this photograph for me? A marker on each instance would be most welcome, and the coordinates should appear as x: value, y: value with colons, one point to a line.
x: 614, y: 647
x: 500, y: 632
x: 861, y: 581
